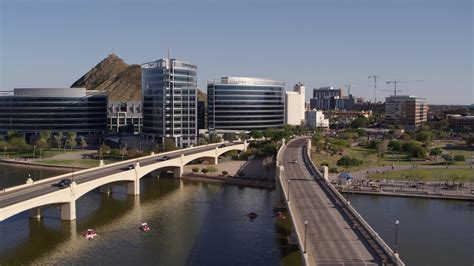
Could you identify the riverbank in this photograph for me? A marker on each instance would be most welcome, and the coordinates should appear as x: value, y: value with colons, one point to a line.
x: 396, y: 193
x: 232, y: 181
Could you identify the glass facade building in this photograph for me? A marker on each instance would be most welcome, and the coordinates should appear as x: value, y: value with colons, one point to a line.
x: 32, y: 110
x: 169, y: 89
x: 238, y: 103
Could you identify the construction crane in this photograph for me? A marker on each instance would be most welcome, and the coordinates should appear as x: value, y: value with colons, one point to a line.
x: 395, y: 82
x: 375, y: 77
x: 348, y: 87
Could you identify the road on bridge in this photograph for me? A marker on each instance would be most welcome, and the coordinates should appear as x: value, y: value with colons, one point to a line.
x: 35, y: 190
x: 330, y: 236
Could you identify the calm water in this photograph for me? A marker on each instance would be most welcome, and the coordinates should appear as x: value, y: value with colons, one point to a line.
x: 192, y: 223
x: 431, y: 232
x: 14, y: 176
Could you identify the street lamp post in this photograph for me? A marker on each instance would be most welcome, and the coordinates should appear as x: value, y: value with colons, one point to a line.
x: 395, y: 249
x: 305, y: 227
x: 72, y: 172
x: 288, y: 190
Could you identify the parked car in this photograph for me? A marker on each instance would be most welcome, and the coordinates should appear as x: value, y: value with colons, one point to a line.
x: 64, y: 183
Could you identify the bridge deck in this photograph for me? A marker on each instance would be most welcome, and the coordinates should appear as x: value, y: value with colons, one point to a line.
x: 333, y: 237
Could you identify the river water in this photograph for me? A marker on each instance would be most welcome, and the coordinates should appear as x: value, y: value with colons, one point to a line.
x: 196, y: 223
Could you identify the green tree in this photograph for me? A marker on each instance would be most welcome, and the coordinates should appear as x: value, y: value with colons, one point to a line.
x: 18, y: 143
x: 395, y: 145
x: 167, y: 145
x: 229, y: 137
x: 349, y: 161
x: 418, y: 152
x: 212, y: 169
x: 214, y: 138
x: 58, y: 139
x: 436, y: 152
x: 269, y: 149
x: 71, y: 139
x: 195, y: 170
x: 360, y: 122
x: 256, y: 134
x: 424, y: 136
x: 204, y: 170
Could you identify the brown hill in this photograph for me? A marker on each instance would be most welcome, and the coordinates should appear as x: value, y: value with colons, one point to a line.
x: 121, y: 81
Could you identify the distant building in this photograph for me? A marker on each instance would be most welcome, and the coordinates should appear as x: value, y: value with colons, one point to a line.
x: 407, y: 111
x: 459, y: 122
x: 240, y: 103
x: 124, y: 116
x: 202, y: 114
x: 33, y: 110
x: 345, y: 117
x: 169, y: 89
x: 324, y: 98
x: 344, y: 179
x: 315, y: 119
x: 295, y: 105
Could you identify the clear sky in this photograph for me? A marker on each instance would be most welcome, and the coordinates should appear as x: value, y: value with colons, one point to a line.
x: 320, y: 43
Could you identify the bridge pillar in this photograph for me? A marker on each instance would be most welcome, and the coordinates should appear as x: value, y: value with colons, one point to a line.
x: 68, y: 211
x: 326, y: 173
x: 178, y: 172
x: 133, y: 188
x: 246, y: 144
x: 35, y: 213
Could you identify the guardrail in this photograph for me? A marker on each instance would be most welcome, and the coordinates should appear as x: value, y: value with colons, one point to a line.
x: 395, y: 258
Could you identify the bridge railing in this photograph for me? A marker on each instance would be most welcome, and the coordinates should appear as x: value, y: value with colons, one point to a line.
x: 130, y: 161
x: 359, y: 218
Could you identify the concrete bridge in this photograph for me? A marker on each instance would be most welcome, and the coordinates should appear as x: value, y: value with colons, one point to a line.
x: 328, y: 229
x: 35, y: 195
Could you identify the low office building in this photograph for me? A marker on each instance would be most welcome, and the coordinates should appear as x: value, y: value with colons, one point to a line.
x: 239, y: 103
x: 315, y: 119
x: 295, y: 105
x: 407, y: 111
x: 33, y: 110
x: 124, y: 116
x: 459, y: 122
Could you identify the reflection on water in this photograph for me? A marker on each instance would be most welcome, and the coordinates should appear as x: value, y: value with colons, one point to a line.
x: 16, y: 175
x: 191, y: 223
x: 431, y: 232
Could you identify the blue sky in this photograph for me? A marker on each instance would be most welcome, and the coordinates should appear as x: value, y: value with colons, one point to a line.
x: 320, y: 43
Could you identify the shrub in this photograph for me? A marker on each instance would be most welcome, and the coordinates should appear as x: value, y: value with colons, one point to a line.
x: 349, y: 161
x: 195, y: 169
x: 240, y: 173
x: 225, y: 173
x: 204, y: 170
x: 374, y: 144
x: 211, y: 169
x: 395, y: 145
x: 459, y: 158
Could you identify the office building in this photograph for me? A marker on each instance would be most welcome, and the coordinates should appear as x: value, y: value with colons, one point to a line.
x: 460, y: 122
x: 124, y: 116
x: 202, y: 114
x: 33, y: 110
x: 240, y: 103
x: 324, y: 98
x: 315, y: 119
x: 169, y: 89
x: 295, y: 105
x: 407, y: 111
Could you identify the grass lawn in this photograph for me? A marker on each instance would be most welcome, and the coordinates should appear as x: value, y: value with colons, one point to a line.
x: 371, y: 160
x: 443, y: 174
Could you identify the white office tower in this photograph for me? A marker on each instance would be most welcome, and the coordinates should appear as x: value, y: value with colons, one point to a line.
x: 169, y: 89
x: 315, y: 119
x: 295, y: 105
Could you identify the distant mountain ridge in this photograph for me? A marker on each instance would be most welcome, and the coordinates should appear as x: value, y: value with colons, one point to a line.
x: 121, y: 81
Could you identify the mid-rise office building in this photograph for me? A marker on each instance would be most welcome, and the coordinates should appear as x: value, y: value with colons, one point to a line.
x: 407, y: 111
x: 169, y: 89
x: 33, y: 110
x: 315, y: 119
x: 295, y: 105
x: 460, y: 122
x: 324, y: 98
x: 239, y: 103
x: 124, y: 116
x: 202, y: 114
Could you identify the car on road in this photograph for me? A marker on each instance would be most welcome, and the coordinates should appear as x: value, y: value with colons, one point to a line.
x: 64, y: 183
x: 222, y: 146
x: 164, y: 158
x: 294, y: 161
x: 130, y: 167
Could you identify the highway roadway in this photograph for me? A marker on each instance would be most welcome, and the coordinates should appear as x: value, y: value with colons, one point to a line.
x: 35, y: 190
x: 331, y: 238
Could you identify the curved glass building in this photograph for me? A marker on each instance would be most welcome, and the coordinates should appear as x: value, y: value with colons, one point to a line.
x: 239, y: 103
x: 32, y: 110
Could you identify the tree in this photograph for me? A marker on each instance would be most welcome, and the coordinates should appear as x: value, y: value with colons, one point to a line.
x: 256, y: 134
x: 459, y: 158
x: 83, y: 142
x: 268, y: 133
x: 436, y: 152
x: 204, y: 170
x: 58, y: 139
x: 349, y: 161
x: 424, y: 136
x: 167, y: 145
x: 229, y: 137
x: 360, y: 121
x: 104, y: 149
x: 41, y: 143
x: 374, y: 144
x: 19, y: 143
x: 242, y: 136
x: 71, y: 139
x: 225, y: 173
x: 214, y: 138
x: 395, y: 145
x: 382, y: 149
x: 240, y: 173
x: 269, y: 149
x: 195, y: 170
x: 418, y: 152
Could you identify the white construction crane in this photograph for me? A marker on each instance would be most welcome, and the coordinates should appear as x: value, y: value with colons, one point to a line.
x: 395, y: 82
x: 375, y: 77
